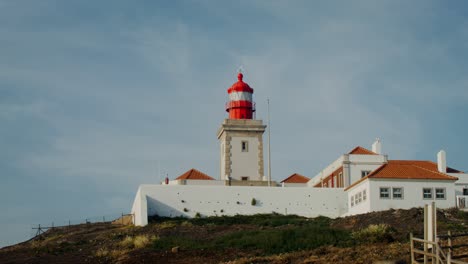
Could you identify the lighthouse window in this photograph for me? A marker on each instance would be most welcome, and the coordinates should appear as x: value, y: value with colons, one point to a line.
x: 245, y: 146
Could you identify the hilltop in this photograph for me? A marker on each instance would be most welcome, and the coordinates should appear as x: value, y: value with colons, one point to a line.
x: 237, y: 239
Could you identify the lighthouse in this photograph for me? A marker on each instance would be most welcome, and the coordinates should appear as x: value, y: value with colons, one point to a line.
x: 241, y: 138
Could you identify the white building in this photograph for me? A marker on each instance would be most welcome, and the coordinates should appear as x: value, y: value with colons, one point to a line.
x: 358, y: 182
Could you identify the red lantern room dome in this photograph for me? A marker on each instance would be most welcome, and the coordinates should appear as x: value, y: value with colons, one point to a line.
x: 240, y: 85
x: 240, y: 105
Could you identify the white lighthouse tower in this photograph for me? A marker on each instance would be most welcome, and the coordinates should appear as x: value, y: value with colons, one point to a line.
x: 241, y: 138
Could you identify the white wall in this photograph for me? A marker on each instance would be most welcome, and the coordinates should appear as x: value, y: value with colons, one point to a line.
x: 294, y: 184
x: 170, y: 200
x: 245, y: 163
x: 139, y: 208
x: 462, y: 182
x: 196, y: 182
x: 412, y: 194
x: 355, y: 170
x: 363, y: 206
x: 367, y: 158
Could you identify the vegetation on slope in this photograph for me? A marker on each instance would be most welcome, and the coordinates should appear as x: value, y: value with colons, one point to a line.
x: 236, y: 239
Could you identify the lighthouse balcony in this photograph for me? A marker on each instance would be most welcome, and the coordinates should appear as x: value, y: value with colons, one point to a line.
x: 240, y: 104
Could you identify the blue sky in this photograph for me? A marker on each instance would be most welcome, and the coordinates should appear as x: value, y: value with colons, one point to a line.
x: 95, y: 94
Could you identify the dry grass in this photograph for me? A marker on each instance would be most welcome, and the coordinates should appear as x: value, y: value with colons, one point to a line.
x: 168, y: 224
x: 140, y: 241
x: 113, y: 254
x: 102, y: 252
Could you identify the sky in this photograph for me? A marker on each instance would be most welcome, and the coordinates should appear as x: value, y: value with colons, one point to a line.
x: 98, y: 97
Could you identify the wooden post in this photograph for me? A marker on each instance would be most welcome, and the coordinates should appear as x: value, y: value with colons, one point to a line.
x: 434, y: 233
x: 449, y: 253
x: 412, y: 248
x: 437, y: 258
x: 425, y: 233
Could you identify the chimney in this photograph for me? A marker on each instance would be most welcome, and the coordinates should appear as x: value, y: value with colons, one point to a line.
x: 377, y: 146
x: 442, y: 161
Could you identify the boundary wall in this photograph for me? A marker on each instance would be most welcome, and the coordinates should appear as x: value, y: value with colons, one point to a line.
x: 189, y: 201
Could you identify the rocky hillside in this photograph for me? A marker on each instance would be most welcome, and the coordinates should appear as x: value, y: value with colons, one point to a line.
x: 365, y: 238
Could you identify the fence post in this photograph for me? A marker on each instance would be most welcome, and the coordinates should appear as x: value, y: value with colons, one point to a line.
x: 412, y: 248
x: 437, y: 258
x: 426, y: 237
x: 449, y: 253
x: 434, y: 233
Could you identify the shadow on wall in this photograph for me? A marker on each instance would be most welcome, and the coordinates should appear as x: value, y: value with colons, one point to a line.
x: 157, y: 208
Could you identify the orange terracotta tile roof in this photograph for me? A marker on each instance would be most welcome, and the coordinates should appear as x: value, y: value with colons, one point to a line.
x: 194, y: 174
x: 425, y: 164
x: 361, y: 151
x: 408, y: 169
x: 296, y: 178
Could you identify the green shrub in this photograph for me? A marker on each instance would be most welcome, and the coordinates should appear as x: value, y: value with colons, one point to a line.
x: 306, y: 235
x: 253, y: 202
x: 374, y: 233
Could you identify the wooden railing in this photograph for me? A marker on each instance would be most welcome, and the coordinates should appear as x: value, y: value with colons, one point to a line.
x: 433, y: 252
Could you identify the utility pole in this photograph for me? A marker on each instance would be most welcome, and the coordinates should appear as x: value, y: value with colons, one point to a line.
x: 269, y: 151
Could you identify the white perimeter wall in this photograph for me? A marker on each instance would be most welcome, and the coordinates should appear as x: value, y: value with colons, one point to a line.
x: 412, y: 196
x: 295, y: 184
x: 196, y: 182
x: 171, y: 200
x: 245, y: 163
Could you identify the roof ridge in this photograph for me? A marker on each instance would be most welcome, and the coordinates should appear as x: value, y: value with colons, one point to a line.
x: 437, y: 172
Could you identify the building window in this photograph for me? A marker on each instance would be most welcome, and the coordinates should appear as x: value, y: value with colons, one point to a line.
x: 364, y: 173
x: 397, y: 192
x: 384, y: 192
x: 245, y: 146
x: 440, y: 193
x: 465, y: 191
x: 427, y: 193
x: 340, y: 180
x: 360, y: 196
x: 245, y: 178
x: 364, y: 195
x: 352, y: 201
